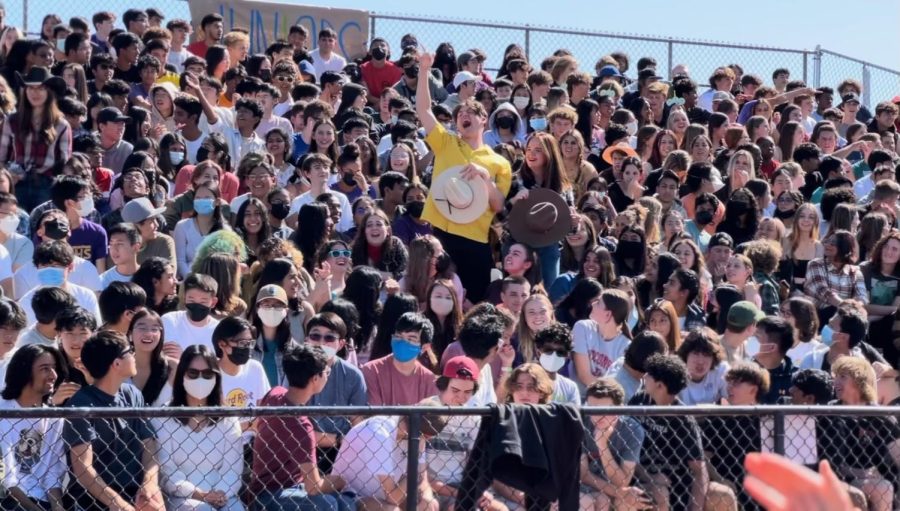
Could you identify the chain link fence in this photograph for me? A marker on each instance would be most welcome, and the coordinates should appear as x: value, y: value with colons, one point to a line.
x: 630, y: 456
x: 818, y: 67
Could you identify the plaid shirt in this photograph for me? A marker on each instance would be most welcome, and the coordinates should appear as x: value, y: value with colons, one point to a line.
x: 31, y: 153
x: 822, y: 278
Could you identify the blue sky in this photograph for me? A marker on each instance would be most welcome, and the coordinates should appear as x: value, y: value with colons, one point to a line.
x: 797, y: 24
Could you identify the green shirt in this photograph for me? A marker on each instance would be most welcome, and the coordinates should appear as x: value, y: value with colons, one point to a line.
x: 270, y: 363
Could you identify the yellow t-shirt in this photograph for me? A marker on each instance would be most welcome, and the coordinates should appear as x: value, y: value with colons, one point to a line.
x: 450, y: 151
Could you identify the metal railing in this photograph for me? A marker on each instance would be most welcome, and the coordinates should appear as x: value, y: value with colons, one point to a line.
x: 781, y: 428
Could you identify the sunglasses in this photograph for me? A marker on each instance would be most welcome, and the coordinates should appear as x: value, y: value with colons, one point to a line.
x: 285, y: 78
x: 329, y: 338
x: 340, y: 253
x: 206, y: 374
x: 127, y: 351
x: 561, y: 353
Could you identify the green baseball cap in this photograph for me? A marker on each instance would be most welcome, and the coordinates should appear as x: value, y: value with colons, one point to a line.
x: 743, y: 314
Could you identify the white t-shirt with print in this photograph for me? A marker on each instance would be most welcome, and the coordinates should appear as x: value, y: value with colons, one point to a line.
x: 247, y: 387
x: 601, y: 352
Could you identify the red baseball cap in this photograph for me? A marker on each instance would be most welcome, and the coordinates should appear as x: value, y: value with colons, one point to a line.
x: 461, y: 368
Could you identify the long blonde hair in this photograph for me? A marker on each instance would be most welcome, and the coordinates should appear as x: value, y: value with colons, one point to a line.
x: 525, y: 334
x: 795, y: 238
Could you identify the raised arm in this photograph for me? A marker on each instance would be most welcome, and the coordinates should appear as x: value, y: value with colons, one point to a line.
x: 423, y: 93
x: 193, y: 86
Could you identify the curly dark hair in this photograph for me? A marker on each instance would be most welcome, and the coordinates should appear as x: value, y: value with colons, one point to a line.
x: 701, y: 341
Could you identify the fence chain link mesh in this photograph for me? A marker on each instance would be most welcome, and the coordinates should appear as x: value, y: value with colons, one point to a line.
x: 633, y: 456
x: 816, y: 66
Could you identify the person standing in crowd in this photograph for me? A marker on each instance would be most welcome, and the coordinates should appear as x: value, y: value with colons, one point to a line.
x: 484, y: 174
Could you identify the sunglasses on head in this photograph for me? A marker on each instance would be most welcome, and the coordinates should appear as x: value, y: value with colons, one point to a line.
x: 340, y: 253
x: 206, y: 374
x: 323, y: 337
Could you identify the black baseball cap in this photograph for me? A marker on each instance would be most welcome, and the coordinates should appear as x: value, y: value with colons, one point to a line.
x: 110, y: 114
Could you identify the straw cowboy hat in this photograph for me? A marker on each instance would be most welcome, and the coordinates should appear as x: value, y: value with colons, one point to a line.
x: 618, y: 148
x: 459, y: 200
x: 541, y: 219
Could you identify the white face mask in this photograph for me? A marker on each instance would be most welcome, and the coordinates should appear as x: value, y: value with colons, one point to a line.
x: 176, y: 157
x: 86, y: 206
x: 199, y: 388
x: 441, y: 306
x: 330, y: 351
x: 9, y: 224
x: 551, y: 362
x: 272, y: 317
x: 631, y: 128
x: 520, y: 102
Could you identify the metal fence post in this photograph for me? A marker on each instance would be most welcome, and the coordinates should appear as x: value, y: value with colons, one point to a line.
x: 25, y: 16
x: 817, y: 67
x: 866, y: 78
x: 413, y: 428
x: 669, y: 45
x: 805, y: 64
x: 371, y: 26
x: 779, y: 432
x: 527, y: 43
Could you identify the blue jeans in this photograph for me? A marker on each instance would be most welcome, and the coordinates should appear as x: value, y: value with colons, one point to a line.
x: 549, y: 258
x: 296, y: 499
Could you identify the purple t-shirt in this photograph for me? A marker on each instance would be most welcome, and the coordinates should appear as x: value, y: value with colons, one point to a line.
x: 89, y: 241
x: 406, y: 229
x: 355, y: 193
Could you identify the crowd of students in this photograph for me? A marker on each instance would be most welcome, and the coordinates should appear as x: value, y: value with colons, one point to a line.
x: 186, y: 224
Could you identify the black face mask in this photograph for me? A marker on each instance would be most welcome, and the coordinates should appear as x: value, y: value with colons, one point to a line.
x: 740, y: 208
x: 378, y: 53
x: 630, y: 249
x: 411, y: 72
x: 415, y: 208
x: 56, y: 230
x: 265, y: 75
x: 704, y: 217
x: 197, y: 312
x: 349, y: 180
x: 280, y: 210
x: 202, y: 154
x: 782, y: 215
x: 239, y: 356
x: 505, y: 123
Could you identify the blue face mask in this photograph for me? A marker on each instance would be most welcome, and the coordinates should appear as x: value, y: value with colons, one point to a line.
x: 404, y: 351
x: 538, y: 123
x: 51, y: 276
x: 827, y: 335
x: 204, y: 206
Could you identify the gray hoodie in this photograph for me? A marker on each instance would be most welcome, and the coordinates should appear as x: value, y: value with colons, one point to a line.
x: 491, y: 137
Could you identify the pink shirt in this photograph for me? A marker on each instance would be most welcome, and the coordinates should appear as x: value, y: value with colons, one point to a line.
x: 385, y: 385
